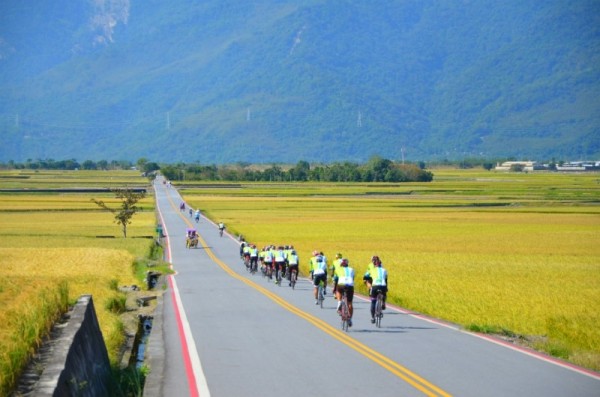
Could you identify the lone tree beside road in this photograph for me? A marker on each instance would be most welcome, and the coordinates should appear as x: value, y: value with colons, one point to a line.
x: 123, y: 215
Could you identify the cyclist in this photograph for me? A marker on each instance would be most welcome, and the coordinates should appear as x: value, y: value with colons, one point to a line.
x: 376, y: 280
x: 182, y: 206
x: 336, y: 263
x: 196, y: 215
x: 246, y: 254
x: 269, y: 259
x: 261, y: 258
x: 292, y: 265
x: 191, y: 212
x: 221, y: 227
x: 253, y: 257
x: 325, y: 262
x: 318, y: 272
x: 280, y: 260
x: 242, y: 246
x: 344, y: 276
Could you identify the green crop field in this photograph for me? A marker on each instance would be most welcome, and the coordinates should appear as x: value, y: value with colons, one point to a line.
x: 55, y: 247
x: 510, y: 253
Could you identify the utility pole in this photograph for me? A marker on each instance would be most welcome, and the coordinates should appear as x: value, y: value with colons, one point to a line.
x: 402, y: 151
x: 359, y: 121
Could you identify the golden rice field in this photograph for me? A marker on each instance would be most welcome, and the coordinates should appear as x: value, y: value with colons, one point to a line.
x: 508, y: 253
x: 32, y: 179
x: 50, y: 255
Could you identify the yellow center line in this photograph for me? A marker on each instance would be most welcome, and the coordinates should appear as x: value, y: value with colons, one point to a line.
x: 402, y: 372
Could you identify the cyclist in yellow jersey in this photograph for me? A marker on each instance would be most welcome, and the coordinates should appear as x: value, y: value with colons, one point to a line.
x: 293, y: 262
x: 376, y: 280
x: 246, y: 254
x: 261, y: 257
x: 336, y: 263
x: 269, y: 260
x: 318, y: 272
x: 280, y: 260
x: 344, y: 276
x: 253, y: 256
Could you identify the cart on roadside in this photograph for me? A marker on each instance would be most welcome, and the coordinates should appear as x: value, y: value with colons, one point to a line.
x: 191, y: 238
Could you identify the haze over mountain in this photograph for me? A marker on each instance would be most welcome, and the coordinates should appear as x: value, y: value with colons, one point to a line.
x: 268, y: 81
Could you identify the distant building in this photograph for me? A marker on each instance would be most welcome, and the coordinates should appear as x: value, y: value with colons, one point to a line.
x: 526, y: 166
x: 579, y: 166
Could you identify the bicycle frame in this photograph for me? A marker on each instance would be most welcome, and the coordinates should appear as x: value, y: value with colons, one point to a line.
x: 320, y: 295
x: 345, y: 312
x: 379, y: 309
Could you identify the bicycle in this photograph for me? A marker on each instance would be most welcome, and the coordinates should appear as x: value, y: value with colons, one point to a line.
x: 263, y: 270
x: 344, y: 312
x: 293, y: 278
x: 320, y: 294
x: 220, y: 232
x: 379, y: 309
x: 278, y: 276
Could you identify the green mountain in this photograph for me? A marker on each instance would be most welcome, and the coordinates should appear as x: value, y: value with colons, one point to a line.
x: 277, y: 81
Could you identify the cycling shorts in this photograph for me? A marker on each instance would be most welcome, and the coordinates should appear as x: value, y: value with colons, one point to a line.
x: 317, y: 278
x: 376, y: 288
x: 349, y: 291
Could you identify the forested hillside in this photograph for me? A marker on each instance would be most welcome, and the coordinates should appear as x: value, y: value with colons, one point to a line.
x: 222, y: 81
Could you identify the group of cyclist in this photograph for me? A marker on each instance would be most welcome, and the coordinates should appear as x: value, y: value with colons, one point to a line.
x: 284, y: 259
x: 279, y: 261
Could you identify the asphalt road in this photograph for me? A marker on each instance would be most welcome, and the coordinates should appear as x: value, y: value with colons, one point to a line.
x: 224, y: 332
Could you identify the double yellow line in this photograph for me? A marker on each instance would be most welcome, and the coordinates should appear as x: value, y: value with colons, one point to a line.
x: 402, y: 372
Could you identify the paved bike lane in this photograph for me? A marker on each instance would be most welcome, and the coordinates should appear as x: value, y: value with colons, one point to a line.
x: 250, y: 337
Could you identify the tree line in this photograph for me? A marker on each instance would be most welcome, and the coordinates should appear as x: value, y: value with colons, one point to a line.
x: 377, y: 169
x: 70, y: 164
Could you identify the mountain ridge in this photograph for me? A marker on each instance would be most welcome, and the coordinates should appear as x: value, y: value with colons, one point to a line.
x: 273, y: 81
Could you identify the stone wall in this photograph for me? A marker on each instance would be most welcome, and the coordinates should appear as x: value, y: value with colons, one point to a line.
x: 79, y: 365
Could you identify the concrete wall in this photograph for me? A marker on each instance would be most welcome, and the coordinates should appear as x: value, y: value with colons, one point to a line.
x: 79, y: 365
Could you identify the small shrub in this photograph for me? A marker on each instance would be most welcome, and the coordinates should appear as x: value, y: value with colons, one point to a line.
x: 116, y: 304
x: 113, y: 284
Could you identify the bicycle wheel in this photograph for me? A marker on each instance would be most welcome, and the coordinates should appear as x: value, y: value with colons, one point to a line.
x: 378, y: 310
x: 320, y: 295
x: 345, y: 314
x: 293, y: 279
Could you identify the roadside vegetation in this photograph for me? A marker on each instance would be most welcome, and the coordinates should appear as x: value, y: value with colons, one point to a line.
x: 55, y: 247
x: 505, y: 253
